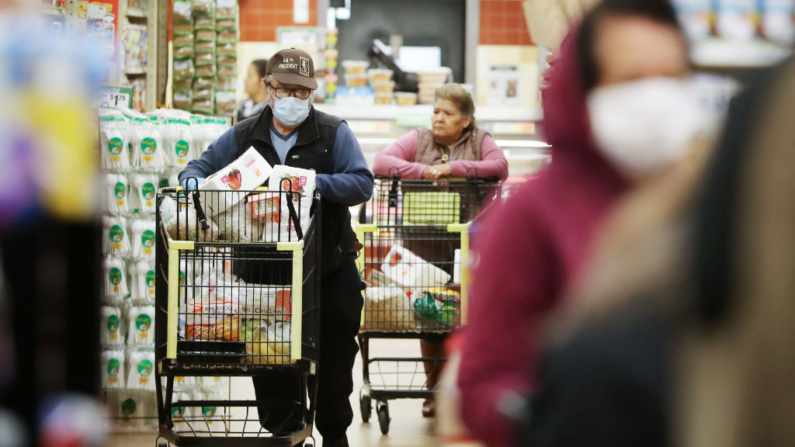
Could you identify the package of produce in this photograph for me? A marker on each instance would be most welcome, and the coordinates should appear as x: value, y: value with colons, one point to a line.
x: 182, y: 222
x: 202, y: 325
x: 115, y: 240
x: 144, y: 192
x: 116, y: 187
x: 266, y: 300
x: 302, y: 185
x: 237, y: 225
x: 185, y: 84
x: 113, y: 129
x: 226, y: 25
x: 203, y: 92
x: 736, y: 19
x: 115, y: 281
x: 182, y: 383
x: 444, y: 294
x: 205, y: 59
x: 113, y: 369
x: 142, y: 283
x: 203, y: 7
x: 244, y: 174
x: 261, y: 344
x: 141, y: 375
x: 206, y: 35
x: 226, y: 10
x: 227, y: 72
x: 228, y: 49
x: 182, y: 12
x: 437, y: 314
x: 388, y: 308
x: 141, y: 323
x: 143, y: 234
x: 178, y: 138
x: 406, y: 269
x: 777, y: 21
x: 183, y: 40
x: 225, y: 102
x: 184, y: 69
x: 205, y: 47
x: 203, y: 106
x: 110, y: 326
x: 204, y: 22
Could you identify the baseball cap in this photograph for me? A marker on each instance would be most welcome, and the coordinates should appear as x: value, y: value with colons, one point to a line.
x: 292, y: 66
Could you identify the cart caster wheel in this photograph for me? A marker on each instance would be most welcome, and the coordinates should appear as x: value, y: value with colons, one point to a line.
x: 366, y: 405
x: 162, y: 443
x: 383, y: 417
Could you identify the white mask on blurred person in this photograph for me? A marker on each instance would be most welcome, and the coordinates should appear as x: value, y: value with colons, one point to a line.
x: 645, y: 126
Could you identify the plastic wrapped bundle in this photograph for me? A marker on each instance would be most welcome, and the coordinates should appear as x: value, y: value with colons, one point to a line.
x: 143, y: 235
x: 142, y: 284
x: 142, y: 371
x: 113, y: 129
x: 144, y: 192
x: 110, y: 326
x: 141, y: 323
x: 115, y: 281
x: 182, y: 223
x: 113, y: 369
x: 116, y: 188
x: 388, y: 308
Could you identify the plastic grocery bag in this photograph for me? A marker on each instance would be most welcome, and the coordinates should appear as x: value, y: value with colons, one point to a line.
x: 409, y: 270
x: 446, y: 314
x: 237, y: 225
x: 301, y: 182
x: 388, y: 308
x: 182, y: 222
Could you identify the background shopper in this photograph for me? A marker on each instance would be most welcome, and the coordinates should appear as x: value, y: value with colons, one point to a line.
x: 629, y: 56
x: 255, y: 89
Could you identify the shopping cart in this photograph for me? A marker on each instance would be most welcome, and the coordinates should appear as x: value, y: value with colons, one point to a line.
x: 416, y: 244
x: 237, y: 295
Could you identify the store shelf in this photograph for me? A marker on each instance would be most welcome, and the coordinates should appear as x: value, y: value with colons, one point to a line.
x: 483, y: 113
x: 136, y: 13
x: 51, y: 10
x: 135, y: 72
x: 720, y: 53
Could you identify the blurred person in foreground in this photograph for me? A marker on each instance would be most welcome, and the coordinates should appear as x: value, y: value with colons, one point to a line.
x: 291, y: 132
x: 683, y: 335
x: 453, y: 147
x: 617, y: 112
x: 253, y: 85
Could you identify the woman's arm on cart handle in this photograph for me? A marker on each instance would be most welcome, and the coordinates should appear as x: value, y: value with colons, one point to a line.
x: 492, y: 164
x: 397, y: 157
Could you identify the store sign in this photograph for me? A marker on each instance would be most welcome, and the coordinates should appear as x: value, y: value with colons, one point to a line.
x: 111, y: 96
x: 297, y: 36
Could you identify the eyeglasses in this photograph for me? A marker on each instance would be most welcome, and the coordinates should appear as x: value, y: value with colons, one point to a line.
x: 301, y: 93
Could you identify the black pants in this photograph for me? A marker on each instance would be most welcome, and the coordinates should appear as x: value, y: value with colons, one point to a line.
x: 340, y: 314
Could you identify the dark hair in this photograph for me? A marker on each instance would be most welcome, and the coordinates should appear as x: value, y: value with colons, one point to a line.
x: 659, y: 11
x: 261, y: 64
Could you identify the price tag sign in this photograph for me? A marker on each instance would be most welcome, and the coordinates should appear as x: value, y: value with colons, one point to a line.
x: 111, y: 96
x: 297, y: 36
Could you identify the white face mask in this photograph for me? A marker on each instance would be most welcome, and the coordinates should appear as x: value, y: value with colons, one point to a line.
x: 645, y: 126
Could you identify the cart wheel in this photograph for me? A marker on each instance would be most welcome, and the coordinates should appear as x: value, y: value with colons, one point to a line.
x: 383, y: 417
x: 162, y: 443
x: 366, y: 405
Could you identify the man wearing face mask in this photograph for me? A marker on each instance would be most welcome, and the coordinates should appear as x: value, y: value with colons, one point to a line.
x: 617, y: 112
x: 291, y: 132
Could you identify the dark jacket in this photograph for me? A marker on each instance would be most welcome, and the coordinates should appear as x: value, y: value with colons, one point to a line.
x: 326, y: 144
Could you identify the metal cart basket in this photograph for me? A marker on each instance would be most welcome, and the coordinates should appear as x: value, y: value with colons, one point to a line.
x: 416, y: 244
x: 237, y: 293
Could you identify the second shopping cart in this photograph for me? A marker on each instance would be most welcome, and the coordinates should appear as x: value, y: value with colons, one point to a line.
x: 416, y: 247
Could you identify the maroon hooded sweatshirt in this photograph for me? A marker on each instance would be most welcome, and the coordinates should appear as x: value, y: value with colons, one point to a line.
x: 529, y: 250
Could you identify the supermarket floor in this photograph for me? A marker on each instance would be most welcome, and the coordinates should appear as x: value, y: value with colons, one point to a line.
x: 408, y: 427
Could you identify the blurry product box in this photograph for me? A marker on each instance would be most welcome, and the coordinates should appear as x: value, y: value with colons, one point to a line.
x: 695, y: 16
x: 503, y: 86
x: 736, y: 19
x: 354, y: 96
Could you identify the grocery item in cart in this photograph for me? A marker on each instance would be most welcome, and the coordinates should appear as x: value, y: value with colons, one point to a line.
x: 406, y: 269
x: 113, y: 368
x: 246, y: 173
x: 143, y: 234
x: 261, y: 347
x: 115, y: 278
x: 302, y: 183
x: 238, y: 225
x: 264, y: 206
x: 141, y: 326
x: 438, y: 313
x: 388, y: 308
x: 110, y: 326
x: 116, y: 241
x: 444, y: 294
x: 212, y: 320
x: 182, y: 223
x: 142, y: 371
x: 266, y: 301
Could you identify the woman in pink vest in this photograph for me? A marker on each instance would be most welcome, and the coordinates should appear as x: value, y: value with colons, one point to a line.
x: 453, y: 147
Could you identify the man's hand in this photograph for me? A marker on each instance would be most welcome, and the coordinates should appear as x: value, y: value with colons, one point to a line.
x: 191, y: 183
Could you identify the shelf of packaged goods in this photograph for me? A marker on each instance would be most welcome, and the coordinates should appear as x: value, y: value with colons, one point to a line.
x: 736, y: 54
x: 136, y: 13
x: 135, y: 72
x: 393, y: 112
x: 52, y: 10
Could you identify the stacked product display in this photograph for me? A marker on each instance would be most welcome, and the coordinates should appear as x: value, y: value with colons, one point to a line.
x: 332, y: 55
x: 430, y: 80
x: 747, y: 20
x: 140, y: 153
x: 133, y: 44
x: 205, y: 56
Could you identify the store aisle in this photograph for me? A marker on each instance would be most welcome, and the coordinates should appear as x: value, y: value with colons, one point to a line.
x: 408, y: 427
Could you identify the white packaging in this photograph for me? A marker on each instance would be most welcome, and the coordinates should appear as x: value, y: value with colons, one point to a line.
x: 183, y: 383
x: 695, y: 17
x: 142, y: 280
x: 115, y: 278
x: 735, y: 19
x: 211, y: 383
x: 141, y: 326
x: 302, y: 185
x: 256, y: 299
x: 237, y: 224
x: 178, y: 139
x: 117, y: 187
x: 210, y: 415
x: 457, y: 266
x: 143, y: 234
x: 144, y: 191
x: 181, y: 414
x: 115, y: 240
x: 777, y: 21
x: 131, y: 408
x: 113, y: 140
x: 388, y: 308
x: 147, y: 144
x: 244, y: 174
x: 409, y: 270
x: 110, y: 328
x: 182, y: 224
x: 142, y: 371
x: 113, y: 369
